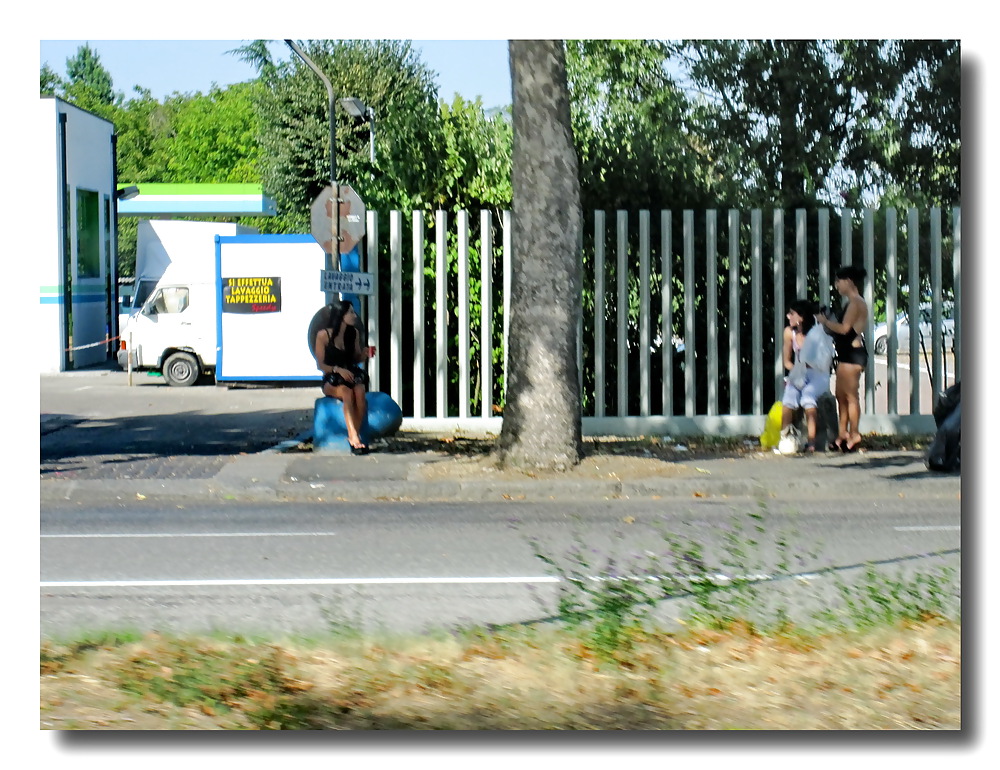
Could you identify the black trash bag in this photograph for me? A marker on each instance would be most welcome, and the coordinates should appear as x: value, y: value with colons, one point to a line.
x: 945, y: 453
x: 946, y: 403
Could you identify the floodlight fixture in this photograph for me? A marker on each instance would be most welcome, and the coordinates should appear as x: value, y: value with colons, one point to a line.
x: 358, y: 109
x: 355, y: 107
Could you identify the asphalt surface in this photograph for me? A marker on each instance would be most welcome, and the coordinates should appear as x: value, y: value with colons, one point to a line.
x: 298, y: 567
x: 104, y: 439
x: 144, y: 481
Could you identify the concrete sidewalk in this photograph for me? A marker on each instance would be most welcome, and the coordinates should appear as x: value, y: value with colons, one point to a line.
x: 275, y: 475
x: 103, y: 440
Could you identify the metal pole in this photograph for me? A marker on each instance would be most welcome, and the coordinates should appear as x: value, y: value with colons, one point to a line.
x: 333, y: 260
x: 371, y: 137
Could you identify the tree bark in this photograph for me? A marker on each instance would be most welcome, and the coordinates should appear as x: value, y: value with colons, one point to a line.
x: 541, y: 420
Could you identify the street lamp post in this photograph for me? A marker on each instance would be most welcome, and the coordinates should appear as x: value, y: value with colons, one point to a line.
x: 333, y: 260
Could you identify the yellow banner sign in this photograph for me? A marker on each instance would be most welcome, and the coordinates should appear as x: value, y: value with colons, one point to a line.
x: 251, y: 295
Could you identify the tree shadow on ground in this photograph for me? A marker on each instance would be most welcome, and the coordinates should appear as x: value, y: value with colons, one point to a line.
x: 187, y: 439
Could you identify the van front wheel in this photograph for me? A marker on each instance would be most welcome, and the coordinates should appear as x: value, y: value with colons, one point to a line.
x: 181, y: 370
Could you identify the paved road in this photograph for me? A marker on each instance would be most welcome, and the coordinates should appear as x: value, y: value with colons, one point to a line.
x: 95, y: 426
x: 904, y: 383
x: 149, y: 492
x: 298, y: 568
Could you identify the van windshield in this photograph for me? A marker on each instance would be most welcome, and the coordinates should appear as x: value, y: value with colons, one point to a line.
x: 142, y: 291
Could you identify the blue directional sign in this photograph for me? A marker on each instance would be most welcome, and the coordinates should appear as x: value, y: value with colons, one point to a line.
x: 338, y: 282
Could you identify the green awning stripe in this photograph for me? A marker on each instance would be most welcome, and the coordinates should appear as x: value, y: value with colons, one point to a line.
x: 157, y: 188
x: 79, y: 290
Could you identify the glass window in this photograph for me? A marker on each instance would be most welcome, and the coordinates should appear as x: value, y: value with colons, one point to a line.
x: 88, y: 234
x: 171, y: 299
x: 142, y: 292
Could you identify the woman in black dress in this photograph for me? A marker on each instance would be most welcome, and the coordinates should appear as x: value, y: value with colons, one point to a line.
x: 852, y: 355
x: 338, y: 352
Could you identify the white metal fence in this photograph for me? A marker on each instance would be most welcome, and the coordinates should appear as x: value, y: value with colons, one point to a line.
x: 681, y: 311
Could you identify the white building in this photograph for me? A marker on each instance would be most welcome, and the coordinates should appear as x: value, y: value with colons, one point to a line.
x: 77, y: 252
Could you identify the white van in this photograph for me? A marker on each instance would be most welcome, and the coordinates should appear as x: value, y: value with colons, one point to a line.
x: 171, y: 327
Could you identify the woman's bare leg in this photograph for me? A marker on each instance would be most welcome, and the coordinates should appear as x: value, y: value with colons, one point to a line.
x: 811, y: 426
x: 842, y: 407
x: 346, y: 396
x: 360, y: 410
x: 787, y: 415
x: 850, y: 428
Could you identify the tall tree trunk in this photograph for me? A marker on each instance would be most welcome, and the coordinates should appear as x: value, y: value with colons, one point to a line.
x: 791, y: 56
x: 541, y: 420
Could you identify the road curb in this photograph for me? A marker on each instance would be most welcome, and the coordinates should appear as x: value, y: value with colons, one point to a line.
x: 254, y: 489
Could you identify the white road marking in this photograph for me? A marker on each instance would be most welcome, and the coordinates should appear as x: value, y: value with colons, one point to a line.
x: 201, y: 534
x: 718, y: 579
x: 946, y: 528
x: 292, y: 582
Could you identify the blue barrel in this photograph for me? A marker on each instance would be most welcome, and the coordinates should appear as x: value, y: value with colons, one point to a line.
x: 330, y: 431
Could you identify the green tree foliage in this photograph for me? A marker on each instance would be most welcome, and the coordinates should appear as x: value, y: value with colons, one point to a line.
x: 806, y: 122
x: 475, y: 173
x: 925, y: 154
x: 88, y: 83
x: 295, y: 140
x: 145, y: 133
x: 49, y: 82
x: 629, y: 128
x: 214, y: 136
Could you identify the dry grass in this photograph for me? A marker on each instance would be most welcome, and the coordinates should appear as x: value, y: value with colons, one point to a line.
x: 904, y: 677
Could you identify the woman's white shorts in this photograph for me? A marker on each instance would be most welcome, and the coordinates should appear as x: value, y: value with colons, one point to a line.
x: 806, y: 397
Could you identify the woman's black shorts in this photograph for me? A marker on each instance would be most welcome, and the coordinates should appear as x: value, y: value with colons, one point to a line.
x: 848, y: 354
x: 336, y: 379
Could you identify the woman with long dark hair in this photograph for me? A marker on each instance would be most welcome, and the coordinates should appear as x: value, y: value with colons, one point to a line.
x: 338, y: 352
x: 804, y: 384
x: 852, y: 355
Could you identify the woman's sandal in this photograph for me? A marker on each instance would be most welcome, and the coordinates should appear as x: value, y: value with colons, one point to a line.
x: 809, y: 448
x: 836, y: 446
x: 848, y: 448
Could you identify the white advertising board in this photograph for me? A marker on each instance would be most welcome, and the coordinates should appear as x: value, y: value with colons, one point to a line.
x: 267, y: 295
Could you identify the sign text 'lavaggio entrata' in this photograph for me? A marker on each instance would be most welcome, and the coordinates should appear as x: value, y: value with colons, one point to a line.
x: 337, y: 282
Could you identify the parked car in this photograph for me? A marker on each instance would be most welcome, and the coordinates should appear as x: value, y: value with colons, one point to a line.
x: 903, y: 329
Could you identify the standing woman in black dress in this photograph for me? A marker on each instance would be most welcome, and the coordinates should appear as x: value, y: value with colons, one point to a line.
x: 852, y: 356
x: 338, y: 352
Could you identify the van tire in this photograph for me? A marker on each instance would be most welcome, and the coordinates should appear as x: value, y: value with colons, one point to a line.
x: 181, y: 369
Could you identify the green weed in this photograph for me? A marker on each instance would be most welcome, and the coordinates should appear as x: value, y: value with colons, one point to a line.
x: 878, y: 599
x: 610, y: 597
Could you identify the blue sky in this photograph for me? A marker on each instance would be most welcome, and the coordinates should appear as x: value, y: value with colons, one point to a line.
x: 468, y: 67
